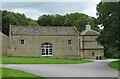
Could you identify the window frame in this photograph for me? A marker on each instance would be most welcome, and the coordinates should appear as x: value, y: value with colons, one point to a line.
x: 22, y: 41
x: 69, y: 41
x: 48, y: 51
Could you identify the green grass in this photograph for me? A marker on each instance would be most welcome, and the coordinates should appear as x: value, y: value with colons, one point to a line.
x: 33, y: 60
x: 115, y: 64
x: 6, y: 72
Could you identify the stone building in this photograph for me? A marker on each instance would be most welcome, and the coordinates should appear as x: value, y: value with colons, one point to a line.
x: 4, y: 44
x: 55, y: 42
x: 89, y: 47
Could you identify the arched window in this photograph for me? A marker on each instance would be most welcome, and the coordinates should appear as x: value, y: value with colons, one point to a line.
x: 47, y: 49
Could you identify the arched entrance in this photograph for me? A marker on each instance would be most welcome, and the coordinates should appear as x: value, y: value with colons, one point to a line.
x: 47, y: 49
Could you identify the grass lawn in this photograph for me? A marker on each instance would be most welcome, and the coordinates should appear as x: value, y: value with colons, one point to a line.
x: 32, y: 60
x: 115, y: 64
x: 6, y: 73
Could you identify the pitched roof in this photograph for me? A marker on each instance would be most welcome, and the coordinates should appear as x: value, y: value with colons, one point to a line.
x: 43, y: 30
x: 90, y: 32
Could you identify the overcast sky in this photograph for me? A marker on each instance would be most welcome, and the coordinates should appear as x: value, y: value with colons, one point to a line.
x: 35, y: 9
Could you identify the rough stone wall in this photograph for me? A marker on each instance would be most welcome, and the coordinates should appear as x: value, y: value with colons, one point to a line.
x: 83, y: 48
x: 93, y: 53
x: 89, y: 47
x: 90, y: 42
x: 5, y: 44
x: 32, y: 46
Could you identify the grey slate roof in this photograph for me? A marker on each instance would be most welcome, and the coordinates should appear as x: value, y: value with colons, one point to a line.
x: 43, y: 30
x: 90, y: 32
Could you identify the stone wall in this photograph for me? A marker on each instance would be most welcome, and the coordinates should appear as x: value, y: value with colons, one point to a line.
x: 32, y: 46
x: 85, y: 47
x: 5, y: 44
x: 90, y: 48
x: 93, y: 53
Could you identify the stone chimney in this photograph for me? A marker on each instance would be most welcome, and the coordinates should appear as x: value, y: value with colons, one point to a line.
x: 88, y: 27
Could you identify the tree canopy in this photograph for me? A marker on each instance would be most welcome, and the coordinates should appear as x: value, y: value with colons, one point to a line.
x: 73, y: 19
x: 11, y: 18
x: 109, y: 17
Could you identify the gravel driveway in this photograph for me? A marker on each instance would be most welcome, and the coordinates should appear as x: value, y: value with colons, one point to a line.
x: 93, y: 69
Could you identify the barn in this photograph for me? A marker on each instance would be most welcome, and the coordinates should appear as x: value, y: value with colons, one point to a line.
x: 54, y: 41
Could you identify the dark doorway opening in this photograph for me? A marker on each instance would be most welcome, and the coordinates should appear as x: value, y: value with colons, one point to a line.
x: 98, y: 58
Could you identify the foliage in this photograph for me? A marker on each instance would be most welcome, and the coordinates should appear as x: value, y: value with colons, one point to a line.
x: 11, y: 18
x: 73, y: 19
x: 45, y: 20
x: 109, y: 17
x: 115, y: 64
x: 112, y: 52
x: 32, y: 22
x: 58, y: 20
x: 31, y: 60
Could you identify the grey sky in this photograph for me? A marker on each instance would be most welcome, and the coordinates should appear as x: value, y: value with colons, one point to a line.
x: 35, y: 9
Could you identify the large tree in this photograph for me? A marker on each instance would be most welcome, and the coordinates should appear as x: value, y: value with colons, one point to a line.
x: 45, y: 20
x: 109, y: 17
x: 73, y: 19
x: 11, y: 18
x: 58, y: 20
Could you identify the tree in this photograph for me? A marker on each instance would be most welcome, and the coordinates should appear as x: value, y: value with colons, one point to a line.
x: 32, y: 22
x: 73, y: 19
x: 45, y: 20
x: 58, y: 20
x: 109, y: 17
x: 11, y: 18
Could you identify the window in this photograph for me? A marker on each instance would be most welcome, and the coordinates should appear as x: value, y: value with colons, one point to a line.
x: 93, y: 54
x: 47, y: 49
x: 69, y: 41
x: 22, y: 41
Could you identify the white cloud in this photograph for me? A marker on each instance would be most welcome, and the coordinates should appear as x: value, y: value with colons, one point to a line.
x: 91, y: 10
x: 30, y: 13
x: 34, y: 12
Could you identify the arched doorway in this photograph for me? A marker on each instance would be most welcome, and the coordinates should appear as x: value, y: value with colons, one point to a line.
x: 47, y: 49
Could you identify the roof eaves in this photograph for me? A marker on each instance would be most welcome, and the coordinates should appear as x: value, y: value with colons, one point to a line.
x: 76, y: 30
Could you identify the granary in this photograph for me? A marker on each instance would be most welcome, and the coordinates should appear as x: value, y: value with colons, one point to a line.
x: 89, y: 47
x: 55, y: 42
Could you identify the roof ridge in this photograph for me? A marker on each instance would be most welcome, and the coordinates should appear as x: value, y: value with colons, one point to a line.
x: 38, y: 26
x: 45, y: 30
x: 90, y: 32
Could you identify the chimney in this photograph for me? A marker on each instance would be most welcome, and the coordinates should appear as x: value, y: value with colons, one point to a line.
x: 88, y: 27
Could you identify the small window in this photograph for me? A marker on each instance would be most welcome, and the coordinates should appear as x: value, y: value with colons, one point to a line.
x: 93, y: 54
x: 22, y: 41
x: 69, y: 41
